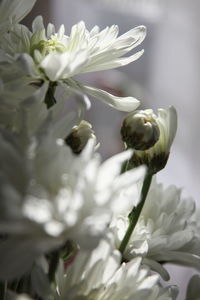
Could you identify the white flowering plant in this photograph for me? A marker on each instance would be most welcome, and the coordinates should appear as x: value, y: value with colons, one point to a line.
x: 72, y: 227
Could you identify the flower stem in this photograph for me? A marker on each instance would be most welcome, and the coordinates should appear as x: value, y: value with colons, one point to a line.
x: 125, y: 167
x: 135, y: 213
x: 53, y: 265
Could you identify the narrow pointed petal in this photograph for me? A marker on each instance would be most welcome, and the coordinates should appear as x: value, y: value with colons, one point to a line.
x: 113, y: 63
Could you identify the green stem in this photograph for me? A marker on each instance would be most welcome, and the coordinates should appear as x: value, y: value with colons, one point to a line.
x: 3, y: 289
x: 125, y: 166
x: 50, y: 99
x: 53, y: 265
x: 135, y: 213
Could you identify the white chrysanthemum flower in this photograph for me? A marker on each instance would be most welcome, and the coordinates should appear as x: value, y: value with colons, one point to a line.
x: 13, y: 11
x: 49, y: 195
x: 100, y: 275
x: 56, y: 57
x: 157, y: 155
x: 165, y: 232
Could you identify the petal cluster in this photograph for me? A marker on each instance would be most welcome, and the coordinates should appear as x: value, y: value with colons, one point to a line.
x: 99, y: 275
x: 166, y: 230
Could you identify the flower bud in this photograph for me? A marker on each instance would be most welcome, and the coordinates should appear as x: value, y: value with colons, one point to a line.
x: 156, y: 157
x: 79, y: 136
x: 140, y: 130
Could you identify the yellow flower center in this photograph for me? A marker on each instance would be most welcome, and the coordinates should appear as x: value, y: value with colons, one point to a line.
x: 49, y: 46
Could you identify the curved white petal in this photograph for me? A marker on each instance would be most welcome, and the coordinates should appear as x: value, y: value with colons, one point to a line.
x: 182, y: 258
x: 15, y: 9
x: 137, y: 35
x: 167, y: 119
x: 173, y: 123
x: 154, y: 265
x: 126, y: 104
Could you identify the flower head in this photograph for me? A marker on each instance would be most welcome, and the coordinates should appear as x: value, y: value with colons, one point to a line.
x: 58, y: 195
x: 52, y: 56
x: 166, y: 230
x: 99, y: 275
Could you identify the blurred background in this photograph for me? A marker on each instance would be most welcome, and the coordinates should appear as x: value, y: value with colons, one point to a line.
x: 167, y: 74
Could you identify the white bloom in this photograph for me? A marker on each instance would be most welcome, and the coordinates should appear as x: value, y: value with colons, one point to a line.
x: 99, y: 275
x: 165, y: 232
x: 156, y: 157
x: 56, y: 57
x: 49, y: 195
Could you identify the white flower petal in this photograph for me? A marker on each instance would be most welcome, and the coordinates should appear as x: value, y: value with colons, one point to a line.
x: 155, y: 266
x: 112, y: 63
x: 16, y: 9
x: 50, y: 30
x: 137, y: 35
x: 168, y: 120
x: 179, y: 257
x: 38, y: 24
x: 126, y: 104
x: 63, y: 65
x: 111, y: 167
x: 99, y: 275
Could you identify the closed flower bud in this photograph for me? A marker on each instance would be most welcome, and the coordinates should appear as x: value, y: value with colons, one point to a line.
x: 140, y: 130
x: 156, y: 157
x: 79, y: 136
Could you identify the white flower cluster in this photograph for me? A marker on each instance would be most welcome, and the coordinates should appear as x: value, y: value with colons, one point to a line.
x: 63, y: 213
